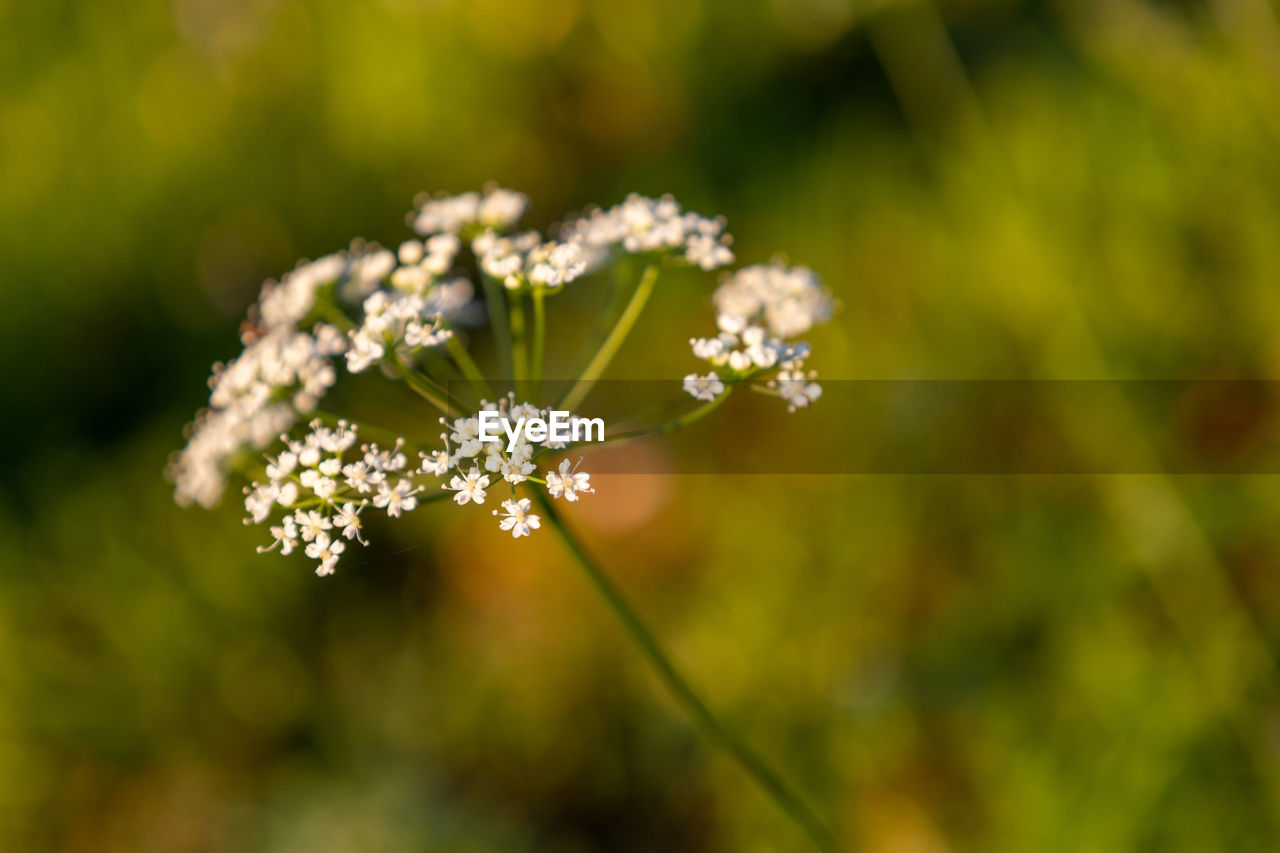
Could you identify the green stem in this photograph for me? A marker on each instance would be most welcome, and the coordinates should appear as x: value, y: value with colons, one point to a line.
x: 471, y: 370
x: 421, y: 385
x: 539, y: 338
x: 495, y: 299
x: 689, y: 417
x: 609, y: 348
x: 710, y: 725
x: 519, y: 349
x: 612, y: 297
x: 327, y: 309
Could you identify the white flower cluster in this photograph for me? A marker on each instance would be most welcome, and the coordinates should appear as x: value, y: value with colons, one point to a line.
x: 642, y: 224
x: 373, y: 305
x: 287, y: 302
x: 254, y: 397
x: 285, y: 370
x: 788, y: 301
x: 473, y: 466
x: 321, y: 487
x: 370, y: 266
x: 322, y: 492
x: 758, y: 309
x: 524, y: 259
x: 422, y: 263
x: 494, y: 208
x: 403, y: 322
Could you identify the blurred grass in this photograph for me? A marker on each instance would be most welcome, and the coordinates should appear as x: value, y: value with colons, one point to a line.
x: 995, y: 189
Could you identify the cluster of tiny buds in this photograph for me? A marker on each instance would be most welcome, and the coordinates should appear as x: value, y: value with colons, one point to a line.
x: 759, y: 308
x: 641, y: 225
x: 495, y: 207
x: 395, y: 321
x: 524, y: 260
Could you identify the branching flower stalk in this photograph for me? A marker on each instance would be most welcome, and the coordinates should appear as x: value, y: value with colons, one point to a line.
x: 311, y: 479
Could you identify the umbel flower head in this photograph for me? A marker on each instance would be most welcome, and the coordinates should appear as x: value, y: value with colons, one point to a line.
x: 759, y: 309
x: 313, y: 481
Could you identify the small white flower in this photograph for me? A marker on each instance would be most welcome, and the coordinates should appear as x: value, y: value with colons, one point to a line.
x: 311, y: 524
x: 397, y: 500
x: 288, y: 494
x: 703, y: 387
x: 739, y: 361
x: 360, y: 478
x: 441, y: 250
x: 436, y: 462
x: 281, y: 466
x: 365, y: 351
x: 517, y: 518
x: 285, y: 536
x: 469, y: 489
x: 466, y: 437
x: 309, y: 452
x: 494, y: 459
x: 568, y: 482
x: 516, y: 470
x: 710, y: 349
x: 392, y: 459
x: 323, y: 487
x: 259, y: 499
x: 797, y: 388
x: 326, y: 551
x: 348, y: 518
x: 410, y: 252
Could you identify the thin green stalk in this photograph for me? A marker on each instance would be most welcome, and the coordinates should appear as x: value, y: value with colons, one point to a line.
x: 495, y: 299
x: 679, y: 422
x: 609, y: 348
x: 422, y: 386
x: 471, y: 370
x: 327, y: 309
x: 519, y: 348
x: 612, y: 297
x: 539, y: 338
x: 710, y: 725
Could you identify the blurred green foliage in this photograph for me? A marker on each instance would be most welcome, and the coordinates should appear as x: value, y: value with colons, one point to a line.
x: 994, y: 188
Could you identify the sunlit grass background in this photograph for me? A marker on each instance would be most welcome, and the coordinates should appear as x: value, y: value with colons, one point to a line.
x: 994, y: 189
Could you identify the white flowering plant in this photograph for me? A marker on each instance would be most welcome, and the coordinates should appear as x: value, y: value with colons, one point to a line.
x: 312, y: 476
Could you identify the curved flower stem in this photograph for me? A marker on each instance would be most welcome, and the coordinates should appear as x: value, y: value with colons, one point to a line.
x: 539, y: 338
x: 334, y: 315
x: 495, y: 298
x: 475, y: 378
x: 679, y: 422
x: 609, y: 348
x: 710, y: 725
x: 421, y: 385
x: 613, y: 295
x: 672, y: 425
x: 519, y: 348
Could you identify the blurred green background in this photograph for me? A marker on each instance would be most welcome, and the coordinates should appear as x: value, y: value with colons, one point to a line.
x: 994, y: 189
